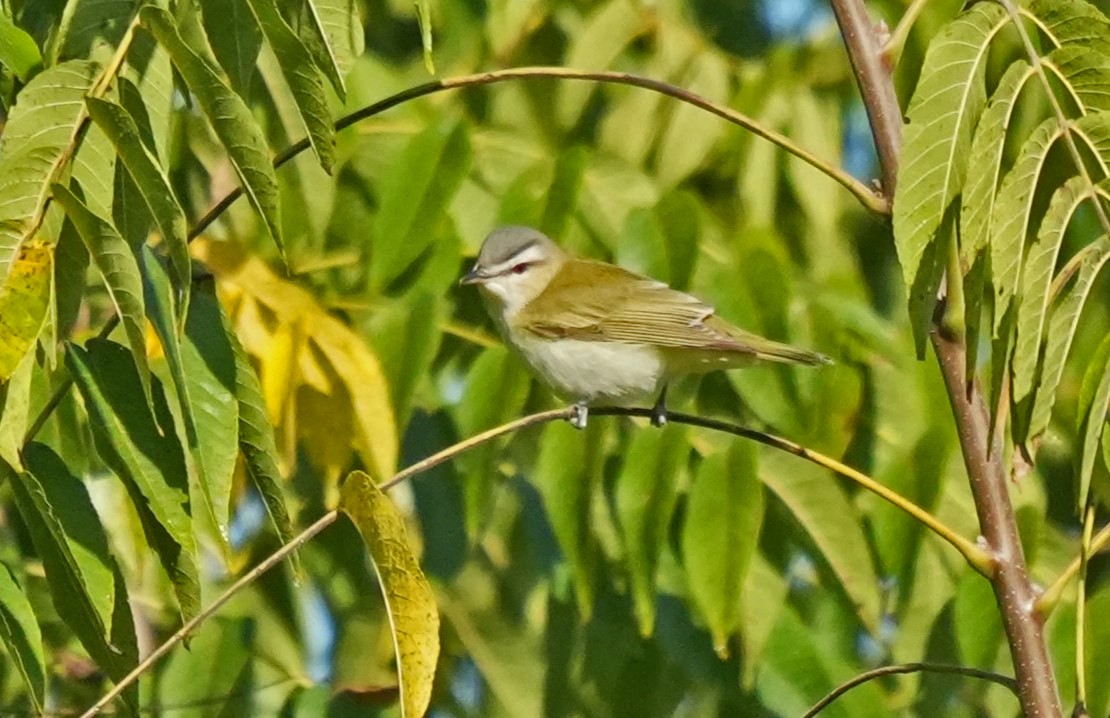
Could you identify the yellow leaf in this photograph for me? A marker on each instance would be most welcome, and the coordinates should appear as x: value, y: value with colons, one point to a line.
x: 409, y: 600
x: 279, y: 369
x: 24, y: 303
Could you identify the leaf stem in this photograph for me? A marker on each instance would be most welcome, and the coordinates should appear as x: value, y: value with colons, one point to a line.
x: 1081, y: 608
x: 1051, y: 595
x: 892, y: 50
x: 909, y: 668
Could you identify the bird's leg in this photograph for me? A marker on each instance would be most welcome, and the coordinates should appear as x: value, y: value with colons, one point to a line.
x: 659, y: 411
x: 578, y: 418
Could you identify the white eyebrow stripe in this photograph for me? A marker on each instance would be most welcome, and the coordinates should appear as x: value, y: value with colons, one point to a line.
x: 528, y: 255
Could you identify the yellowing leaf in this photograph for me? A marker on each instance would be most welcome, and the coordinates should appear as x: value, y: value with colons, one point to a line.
x: 408, y: 596
x: 24, y: 302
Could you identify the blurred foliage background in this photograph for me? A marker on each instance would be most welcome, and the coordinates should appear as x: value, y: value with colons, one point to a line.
x: 622, y: 571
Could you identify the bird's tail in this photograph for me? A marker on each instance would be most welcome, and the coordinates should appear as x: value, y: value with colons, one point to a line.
x: 774, y: 351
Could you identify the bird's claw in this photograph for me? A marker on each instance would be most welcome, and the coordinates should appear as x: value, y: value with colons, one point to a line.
x: 579, y: 416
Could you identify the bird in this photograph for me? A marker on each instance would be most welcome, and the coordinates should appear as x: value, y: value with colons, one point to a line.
x: 596, y: 332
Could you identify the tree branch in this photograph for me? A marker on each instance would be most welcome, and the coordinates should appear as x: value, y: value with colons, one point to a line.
x: 909, y: 668
x: 982, y: 453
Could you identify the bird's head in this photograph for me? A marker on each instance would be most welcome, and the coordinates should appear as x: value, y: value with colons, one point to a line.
x: 514, y: 265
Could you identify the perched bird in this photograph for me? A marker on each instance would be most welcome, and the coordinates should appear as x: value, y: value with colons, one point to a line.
x: 595, y: 332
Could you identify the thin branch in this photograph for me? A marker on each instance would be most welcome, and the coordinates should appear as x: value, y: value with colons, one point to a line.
x: 892, y: 50
x: 973, y: 553
x: 1051, y: 595
x: 910, y: 668
x: 191, y: 625
x: 1081, y: 607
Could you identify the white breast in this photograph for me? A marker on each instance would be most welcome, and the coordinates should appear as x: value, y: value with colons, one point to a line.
x: 595, y: 371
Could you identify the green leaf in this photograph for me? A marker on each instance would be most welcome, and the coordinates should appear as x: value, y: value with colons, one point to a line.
x: 117, y: 264
x: 153, y: 185
x: 646, y: 491
x: 409, y: 600
x: 143, y: 450
x: 39, y: 129
x: 1086, y: 74
x: 414, y: 201
x: 85, y: 583
x: 236, y: 40
x: 406, y: 337
x: 71, y: 264
x: 1036, y: 282
x: 19, y: 630
x: 562, y: 474
x: 18, y: 51
x: 215, y: 677
x: 594, y: 46
x: 942, y: 114
x: 1094, y: 402
x: 987, y: 147
x: 691, y: 132
x: 333, y: 32
x: 823, y: 510
x: 87, y: 23
x: 720, y: 535
x: 1073, y: 22
x: 562, y: 194
x: 15, y: 399
x: 1062, y: 323
x: 424, y: 17
x: 256, y: 442
x: 305, y: 80
x: 24, y: 304
x: 229, y: 115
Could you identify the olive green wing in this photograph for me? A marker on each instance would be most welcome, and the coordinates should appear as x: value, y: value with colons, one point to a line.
x: 600, y: 302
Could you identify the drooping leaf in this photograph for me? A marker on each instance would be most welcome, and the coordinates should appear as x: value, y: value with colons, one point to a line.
x: 333, y: 32
x: 85, y: 583
x: 229, y: 115
x: 15, y: 399
x: 1073, y: 22
x: 408, y: 596
x: 691, y: 132
x: 120, y: 269
x: 562, y: 194
x: 413, y: 202
x: 218, y: 664
x: 406, y: 338
x: 142, y: 449
x: 942, y: 114
x: 19, y: 630
x: 987, y: 146
x: 1062, y: 323
x: 720, y: 536
x: 25, y: 303
x: 645, y: 498
x: 1036, y: 281
x: 1094, y: 402
x: 305, y: 80
x: 563, y: 476
x: 39, y: 129
x: 424, y: 17
x: 71, y: 264
x: 256, y: 442
x: 236, y: 40
x: 822, y: 509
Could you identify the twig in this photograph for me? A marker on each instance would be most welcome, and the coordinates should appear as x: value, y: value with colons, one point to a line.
x: 892, y: 49
x: 1081, y: 607
x: 1051, y: 596
x: 973, y: 553
x: 909, y: 668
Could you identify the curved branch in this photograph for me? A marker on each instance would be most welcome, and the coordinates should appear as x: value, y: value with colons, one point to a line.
x: 910, y: 668
x: 1051, y: 595
x: 971, y: 552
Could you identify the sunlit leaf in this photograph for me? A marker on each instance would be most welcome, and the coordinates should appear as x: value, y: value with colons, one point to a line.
x: 86, y: 23
x: 15, y: 399
x: 143, y: 451
x: 154, y: 186
x: 1094, y: 402
x: 19, y: 630
x: 120, y: 269
x: 304, y: 79
x: 229, y: 115
x: 24, y: 303
x: 720, y: 535
x: 942, y: 114
x: 332, y: 30
x: 18, y: 51
x: 645, y: 498
x: 691, y: 132
x: 39, y: 129
x: 424, y: 16
x: 408, y: 596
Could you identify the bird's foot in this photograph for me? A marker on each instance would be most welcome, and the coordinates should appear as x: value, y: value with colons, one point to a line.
x: 659, y: 411
x: 579, y: 416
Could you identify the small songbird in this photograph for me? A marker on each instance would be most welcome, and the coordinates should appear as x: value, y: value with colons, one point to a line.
x: 595, y: 332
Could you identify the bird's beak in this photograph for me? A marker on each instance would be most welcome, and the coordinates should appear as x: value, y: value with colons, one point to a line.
x: 474, y: 276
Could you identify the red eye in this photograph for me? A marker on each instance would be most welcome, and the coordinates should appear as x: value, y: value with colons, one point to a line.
x: 520, y: 268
